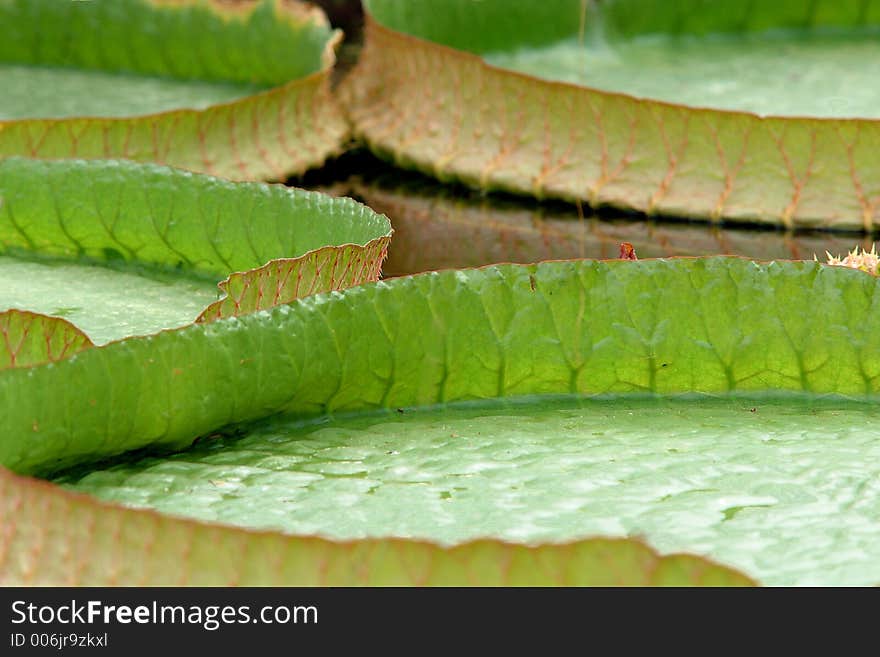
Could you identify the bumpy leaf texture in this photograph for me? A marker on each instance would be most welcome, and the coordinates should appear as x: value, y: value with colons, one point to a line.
x: 633, y: 103
x: 239, y: 90
x: 714, y: 326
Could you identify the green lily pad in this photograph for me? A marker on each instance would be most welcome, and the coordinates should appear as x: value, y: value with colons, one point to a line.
x: 781, y: 489
x: 80, y: 541
x: 123, y: 249
x: 238, y: 90
x: 720, y: 70
x: 721, y: 110
x: 105, y: 302
x: 796, y: 342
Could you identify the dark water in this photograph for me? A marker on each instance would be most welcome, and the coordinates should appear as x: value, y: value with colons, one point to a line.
x: 441, y: 226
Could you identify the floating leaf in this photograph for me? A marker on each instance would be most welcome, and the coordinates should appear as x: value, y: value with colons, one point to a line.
x: 79, y: 541
x: 728, y: 325
x: 124, y: 249
x: 697, y: 474
x: 758, y: 112
x: 714, y: 326
x: 237, y: 90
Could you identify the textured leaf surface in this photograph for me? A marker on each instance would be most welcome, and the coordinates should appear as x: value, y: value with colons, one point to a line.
x: 715, y: 325
x: 32, y: 339
x: 721, y: 71
x: 284, y: 280
x: 124, y: 249
x: 60, y: 93
x: 238, y: 90
x: 785, y: 490
x: 105, y: 302
x: 81, y: 541
x: 450, y: 113
x: 438, y: 227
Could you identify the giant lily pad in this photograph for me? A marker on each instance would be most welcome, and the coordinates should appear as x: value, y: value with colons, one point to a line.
x: 698, y: 475
x: 123, y: 249
x: 234, y: 89
x: 744, y: 111
x: 782, y: 355
x: 135, y: 221
x: 80, y: 541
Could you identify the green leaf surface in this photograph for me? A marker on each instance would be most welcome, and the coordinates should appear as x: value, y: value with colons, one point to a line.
x: 32, y: 339
x: 105, y: 303
x: 123, y: 249
x: 238, y: 90
x: 784, y: 490
x: 54, y: 93
x: 82, y: 541
x: 463, y: 427
x: 730, y: 72
x: 714, y: 326
x: 726, y: 109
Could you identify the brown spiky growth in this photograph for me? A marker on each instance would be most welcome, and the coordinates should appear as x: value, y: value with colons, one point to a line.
x: 861, y: 259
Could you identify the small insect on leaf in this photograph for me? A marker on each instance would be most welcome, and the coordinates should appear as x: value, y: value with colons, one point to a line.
x: 627, y: 252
